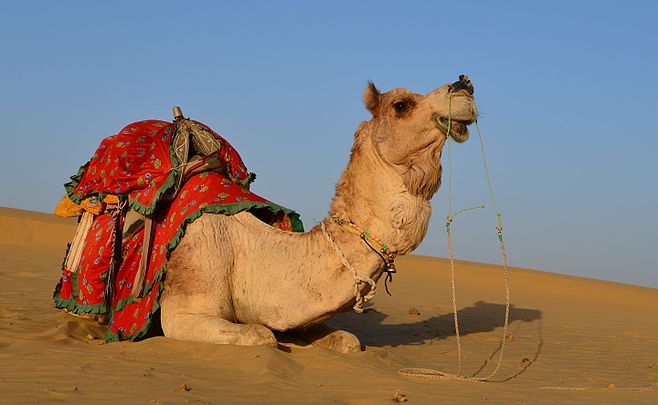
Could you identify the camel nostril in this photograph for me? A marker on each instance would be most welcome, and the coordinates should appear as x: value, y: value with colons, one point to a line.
x: 462, y: 84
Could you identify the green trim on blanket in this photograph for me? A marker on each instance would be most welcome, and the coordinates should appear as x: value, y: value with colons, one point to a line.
x: 58, y: 288
x: 149, y: 287
x: 142, y: 209
x: 149, y: 209
x: 72, y: 304
x: 296, y: 222
x: 115, y: 337
x: 168, y: 184
x: 232, y: 209
x: 121, y: 304
x: 75, y: 180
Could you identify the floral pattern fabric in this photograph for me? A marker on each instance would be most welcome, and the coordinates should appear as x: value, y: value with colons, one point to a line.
x: 82, y: 290
x: 139, y: 163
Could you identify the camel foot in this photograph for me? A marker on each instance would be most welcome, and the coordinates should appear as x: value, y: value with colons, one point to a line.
x: 340, y: 341
x: 335, y: 339
x: 204, y: 328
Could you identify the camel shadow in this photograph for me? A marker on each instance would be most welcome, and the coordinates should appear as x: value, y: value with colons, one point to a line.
x: 370, y: 328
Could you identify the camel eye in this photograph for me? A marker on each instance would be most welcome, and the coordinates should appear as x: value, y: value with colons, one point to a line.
x: 400, y: 106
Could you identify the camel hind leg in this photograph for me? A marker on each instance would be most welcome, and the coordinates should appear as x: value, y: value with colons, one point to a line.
x: 196, y: 302
x: 213, y: 329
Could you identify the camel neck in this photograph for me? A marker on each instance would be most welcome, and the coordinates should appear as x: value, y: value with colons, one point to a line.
x: 372, y: 195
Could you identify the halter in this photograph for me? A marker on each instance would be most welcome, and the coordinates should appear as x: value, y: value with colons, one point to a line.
x: 358, y: 279
x: 376, y: 244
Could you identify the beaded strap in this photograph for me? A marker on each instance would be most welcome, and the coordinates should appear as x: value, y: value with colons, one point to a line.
x: 381, y: 246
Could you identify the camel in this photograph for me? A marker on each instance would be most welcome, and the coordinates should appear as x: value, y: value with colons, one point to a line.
x: 235, y: 280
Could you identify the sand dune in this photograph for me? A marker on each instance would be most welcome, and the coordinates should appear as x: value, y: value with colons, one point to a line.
x: 571, y: 340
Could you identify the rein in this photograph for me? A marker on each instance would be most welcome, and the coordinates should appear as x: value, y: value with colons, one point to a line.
x: 440, y: 375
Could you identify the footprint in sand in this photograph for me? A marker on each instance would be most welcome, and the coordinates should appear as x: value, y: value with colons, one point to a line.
x: 6, y: 313
x: 80, y: 330
x: 22, y: 274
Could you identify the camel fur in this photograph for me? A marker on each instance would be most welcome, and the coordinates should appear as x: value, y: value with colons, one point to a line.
x: 234, y: 279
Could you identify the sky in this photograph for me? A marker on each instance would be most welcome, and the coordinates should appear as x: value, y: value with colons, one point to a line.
x: 566, y: 91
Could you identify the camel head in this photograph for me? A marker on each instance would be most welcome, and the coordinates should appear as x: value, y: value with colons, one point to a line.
x: 408, y: 130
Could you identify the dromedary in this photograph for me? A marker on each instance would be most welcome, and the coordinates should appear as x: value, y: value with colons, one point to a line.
x: 234, y: 279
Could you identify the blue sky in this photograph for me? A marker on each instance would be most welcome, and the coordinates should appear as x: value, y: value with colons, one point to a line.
x: 567, y: 92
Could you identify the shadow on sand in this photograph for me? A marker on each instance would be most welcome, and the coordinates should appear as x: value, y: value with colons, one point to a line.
x: 481, y: 317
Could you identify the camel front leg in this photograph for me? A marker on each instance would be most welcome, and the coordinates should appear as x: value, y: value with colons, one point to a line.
x: 213, y: 329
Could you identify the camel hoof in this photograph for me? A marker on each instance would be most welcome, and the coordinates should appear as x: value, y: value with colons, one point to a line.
x: 257, y: 335
x: 340, y: 341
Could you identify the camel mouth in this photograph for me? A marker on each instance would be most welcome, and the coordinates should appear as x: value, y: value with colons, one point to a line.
x: 458, y: 128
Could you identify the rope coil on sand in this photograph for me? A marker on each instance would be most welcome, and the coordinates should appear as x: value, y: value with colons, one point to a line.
x: 610, y: 387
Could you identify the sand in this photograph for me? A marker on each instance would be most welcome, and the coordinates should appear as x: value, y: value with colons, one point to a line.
x: 597, y: 337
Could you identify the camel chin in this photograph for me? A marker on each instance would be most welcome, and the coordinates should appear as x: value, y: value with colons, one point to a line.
x: 457, y: 130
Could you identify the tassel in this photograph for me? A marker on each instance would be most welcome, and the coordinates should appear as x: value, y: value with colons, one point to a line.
x: 117, y: 258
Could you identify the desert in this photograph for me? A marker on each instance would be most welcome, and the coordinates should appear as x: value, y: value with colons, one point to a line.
x: 570, y: 340
x: 432, y: 203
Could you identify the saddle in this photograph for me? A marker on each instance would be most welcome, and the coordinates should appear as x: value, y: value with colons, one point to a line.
x: 195, y: 148
x: 134, y: 198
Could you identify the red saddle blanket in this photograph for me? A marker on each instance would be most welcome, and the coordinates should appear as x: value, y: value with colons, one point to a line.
x: 136, y: 165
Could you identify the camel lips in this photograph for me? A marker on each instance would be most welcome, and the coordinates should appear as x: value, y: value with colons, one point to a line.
x: 456, y: 126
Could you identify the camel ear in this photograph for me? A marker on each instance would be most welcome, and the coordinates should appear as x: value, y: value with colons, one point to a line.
x: 371, y: 97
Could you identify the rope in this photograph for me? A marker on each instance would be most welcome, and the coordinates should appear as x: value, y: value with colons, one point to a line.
x: 117, y: 254
x: 610, y: 387
x: 499, y: 216
x: 440, y: 375
x: 432, y: 374
x: 454, y: 301
x: 360, y: 300
x: 449, y: 155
